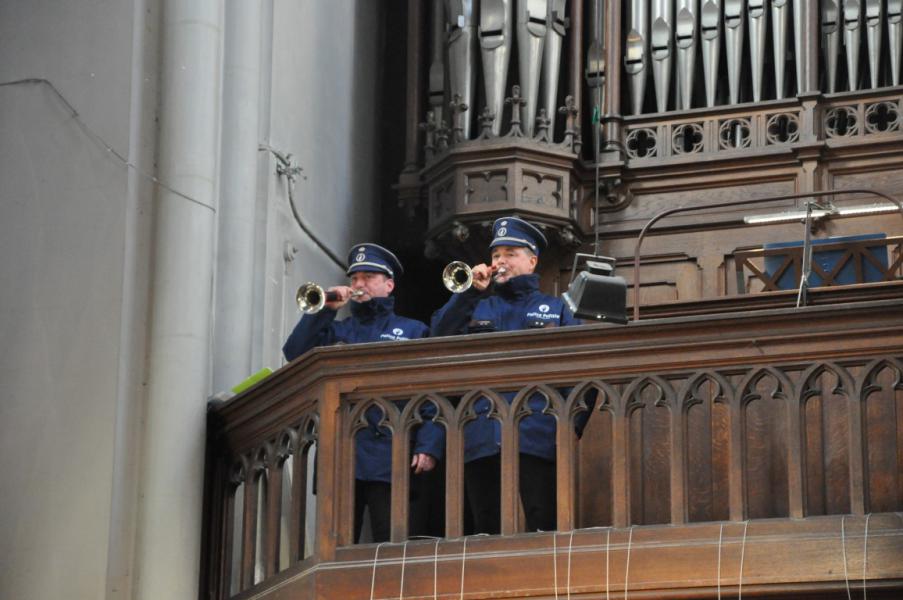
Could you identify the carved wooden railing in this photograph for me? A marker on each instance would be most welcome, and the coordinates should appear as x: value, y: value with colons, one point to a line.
x: 856, y: 253
x: 728, y: 453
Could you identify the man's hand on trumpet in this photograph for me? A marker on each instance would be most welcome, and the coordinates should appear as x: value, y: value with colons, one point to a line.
x: 482, y: 276
x: 341, y: 293
x: 338, y: 296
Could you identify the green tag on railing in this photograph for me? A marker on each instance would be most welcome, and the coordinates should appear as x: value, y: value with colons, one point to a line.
x: 258, y: 376
x: 597, y: 115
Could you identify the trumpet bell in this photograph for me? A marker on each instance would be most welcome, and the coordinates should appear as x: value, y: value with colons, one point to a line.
x: 310, y: 298
x: 457, y: 277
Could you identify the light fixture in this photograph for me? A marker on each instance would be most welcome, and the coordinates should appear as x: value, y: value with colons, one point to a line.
x: 837, y: 211
x: 594, y: 293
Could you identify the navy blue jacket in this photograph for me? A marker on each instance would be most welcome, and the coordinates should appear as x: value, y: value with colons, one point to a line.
x: 515, y: 304
x: 371, y: 321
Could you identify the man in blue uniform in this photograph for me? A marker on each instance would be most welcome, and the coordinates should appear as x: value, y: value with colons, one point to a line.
x: 505, y: 296
x: 373, y: 270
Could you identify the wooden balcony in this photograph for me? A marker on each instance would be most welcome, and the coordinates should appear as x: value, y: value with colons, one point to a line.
x: 752, y: 453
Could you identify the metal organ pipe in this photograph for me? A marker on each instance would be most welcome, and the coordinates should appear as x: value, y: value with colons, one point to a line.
x: 532, y: 23
x: 551, y: 60
x: 895, y: 38
x: 635, y: 56
x: 662, y: 20
x: 874, y: 22
x: 710, y: 31
x: 758, y: 23
x: 852, y: 24
x: 437, y: 62
x: 461, y: 42
x: 686, y: 35
x: 495, y: 48
x: 734, y: 17
x: 830, y: 29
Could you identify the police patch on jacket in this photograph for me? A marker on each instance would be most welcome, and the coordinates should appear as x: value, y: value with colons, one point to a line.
x: 396, y: 334
x: 543, y: 313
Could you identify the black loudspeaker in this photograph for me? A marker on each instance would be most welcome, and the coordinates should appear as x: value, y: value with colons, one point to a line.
x: 594, y: 293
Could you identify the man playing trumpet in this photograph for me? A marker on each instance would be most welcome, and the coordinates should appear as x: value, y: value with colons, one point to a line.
x: 373, y: 270
x: 505, y: 296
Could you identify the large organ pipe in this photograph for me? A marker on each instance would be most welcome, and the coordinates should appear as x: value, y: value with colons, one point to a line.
x: 532, y: 22
x: 662, y: 20
x: 830, y: 29
x: 595, y: 67
x: 780, y: 22
x: 551, y: 60
x: 710, y: 31
x: 595, y: 53
x: 874, y: 23
x: 495, y: 47
x: 802, y: 15
x: 852, y: 21
x: 686, y: 28
x: 895, y: 38
x: 734, y: 17
x: 758, y: 23
x: 461, y: 42
x: 437, y: 61
x: 635, y: 56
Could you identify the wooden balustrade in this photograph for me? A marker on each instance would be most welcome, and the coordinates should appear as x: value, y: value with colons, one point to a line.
x: 701, y: 427
x: 858, y: 254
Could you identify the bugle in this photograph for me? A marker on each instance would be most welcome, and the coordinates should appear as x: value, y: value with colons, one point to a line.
x: 311, y: 298
x: 458, y: 276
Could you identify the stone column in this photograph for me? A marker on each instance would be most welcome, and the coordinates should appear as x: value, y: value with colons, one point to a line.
x: 178, y: 380
x: 238, y: 184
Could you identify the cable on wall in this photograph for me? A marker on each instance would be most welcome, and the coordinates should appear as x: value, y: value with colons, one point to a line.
x: 285, y: 166
x: 99, y: 140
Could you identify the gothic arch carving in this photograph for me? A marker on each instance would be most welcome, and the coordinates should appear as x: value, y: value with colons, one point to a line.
x: 411, y: 414
x: 665, y: 393
x: 783, y: 390
x: 553, y: 402
x: 358, y: 419
x: 465, y: 412
x: 689, y: 393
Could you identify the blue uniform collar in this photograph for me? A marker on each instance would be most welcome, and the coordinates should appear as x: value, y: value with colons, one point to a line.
x: 518, y: 287
x: 373, y: 308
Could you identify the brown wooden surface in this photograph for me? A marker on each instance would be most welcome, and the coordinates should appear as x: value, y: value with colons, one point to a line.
x: 771, y: 558
x: 762, y: 414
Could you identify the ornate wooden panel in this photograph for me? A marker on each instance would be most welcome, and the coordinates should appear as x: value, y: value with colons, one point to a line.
x: 750, y: 434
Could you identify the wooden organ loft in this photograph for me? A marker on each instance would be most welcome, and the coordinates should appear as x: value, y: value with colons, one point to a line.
x: 741, y: 446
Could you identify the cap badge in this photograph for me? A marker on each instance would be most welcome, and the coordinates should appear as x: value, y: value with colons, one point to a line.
x: 360, y: 257
x: 502, y: 232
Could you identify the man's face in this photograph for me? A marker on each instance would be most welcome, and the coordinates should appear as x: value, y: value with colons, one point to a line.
x: 516, y: 260
x: 374, y: 285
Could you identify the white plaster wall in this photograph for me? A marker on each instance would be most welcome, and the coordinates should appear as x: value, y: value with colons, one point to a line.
x: 75, y: 241
x: 323, y: 101
x: 62, y: 236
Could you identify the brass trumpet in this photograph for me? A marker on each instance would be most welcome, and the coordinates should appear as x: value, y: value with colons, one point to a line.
x: 458, y: 276
x: 311, y: 298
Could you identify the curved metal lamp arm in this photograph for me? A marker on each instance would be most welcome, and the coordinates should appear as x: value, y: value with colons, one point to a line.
x: 671, y: 211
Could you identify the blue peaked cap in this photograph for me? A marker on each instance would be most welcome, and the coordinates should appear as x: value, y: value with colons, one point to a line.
x: 373, y: 258
x: 512, y: 231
